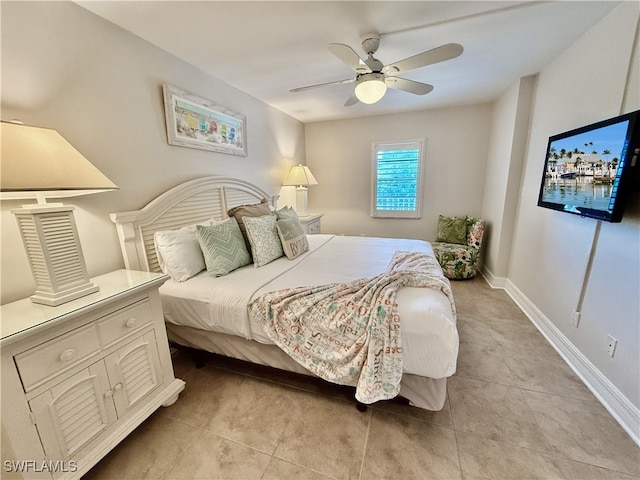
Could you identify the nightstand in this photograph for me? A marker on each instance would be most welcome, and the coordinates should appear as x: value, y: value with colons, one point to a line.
x: 79, y: 377
x: 311, y: 223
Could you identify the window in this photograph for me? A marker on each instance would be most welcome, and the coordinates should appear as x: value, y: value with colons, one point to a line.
x: 397, y: 179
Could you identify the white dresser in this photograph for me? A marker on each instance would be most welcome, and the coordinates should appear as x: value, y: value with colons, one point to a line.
x: 311, y: 223
x: 78, y: 378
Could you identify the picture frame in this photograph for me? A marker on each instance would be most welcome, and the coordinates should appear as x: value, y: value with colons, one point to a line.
x: 196, y: 122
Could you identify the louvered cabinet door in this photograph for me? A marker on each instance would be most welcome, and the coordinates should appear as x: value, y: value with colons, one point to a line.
x: 134, y: 372
x: 75, y: 412
x: 76, y: 379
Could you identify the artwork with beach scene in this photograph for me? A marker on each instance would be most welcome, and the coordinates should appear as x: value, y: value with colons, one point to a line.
x: 196, y: 122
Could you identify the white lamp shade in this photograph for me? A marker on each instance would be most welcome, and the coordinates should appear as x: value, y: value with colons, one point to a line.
x: 300, y: 175
x: 38, y: 162
x: 370, y: 87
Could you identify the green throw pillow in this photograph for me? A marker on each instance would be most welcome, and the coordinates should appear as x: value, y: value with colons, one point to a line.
x: 286, y: 212
x: 452, y: 230
x: 223, y: 247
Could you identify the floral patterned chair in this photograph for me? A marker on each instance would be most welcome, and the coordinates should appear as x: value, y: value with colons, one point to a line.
x: 457, y: 246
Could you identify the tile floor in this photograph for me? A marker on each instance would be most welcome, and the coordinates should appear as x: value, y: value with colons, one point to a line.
x: 515, y: 410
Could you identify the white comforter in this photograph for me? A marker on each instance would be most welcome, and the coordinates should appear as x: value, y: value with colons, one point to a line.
x: 428, y: 328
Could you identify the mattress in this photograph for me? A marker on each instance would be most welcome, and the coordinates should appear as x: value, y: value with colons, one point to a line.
x: 219, y: 304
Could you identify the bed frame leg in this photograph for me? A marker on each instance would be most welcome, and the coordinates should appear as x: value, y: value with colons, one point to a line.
x: 198, y: 359
x: 362, y: 407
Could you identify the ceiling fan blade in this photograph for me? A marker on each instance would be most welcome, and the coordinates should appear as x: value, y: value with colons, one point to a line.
x: 410, y: 86
x: 435, y: 55
x: 352, y: 100
x: 349, y: 56
x: 309, y: 87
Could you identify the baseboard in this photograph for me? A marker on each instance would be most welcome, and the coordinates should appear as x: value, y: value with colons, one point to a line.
x: 492, y: 280
x: 619, y: 406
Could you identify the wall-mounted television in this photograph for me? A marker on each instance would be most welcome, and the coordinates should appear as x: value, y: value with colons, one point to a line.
x: 590, y: 170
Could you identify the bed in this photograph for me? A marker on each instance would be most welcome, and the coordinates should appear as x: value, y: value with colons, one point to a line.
x: 211, y: 313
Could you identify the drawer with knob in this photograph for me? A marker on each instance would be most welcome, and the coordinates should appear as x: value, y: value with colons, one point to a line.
x: 78, y: 378
x: 38, y: 364
x: 124, y: 322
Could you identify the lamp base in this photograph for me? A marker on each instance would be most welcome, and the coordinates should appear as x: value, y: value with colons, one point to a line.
x: 53, y: 247
x: 301, y: 200
x: 58, y: 298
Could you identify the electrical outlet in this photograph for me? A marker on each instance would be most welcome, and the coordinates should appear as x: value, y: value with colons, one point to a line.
x: 575, y: 319
x: 611, y: 345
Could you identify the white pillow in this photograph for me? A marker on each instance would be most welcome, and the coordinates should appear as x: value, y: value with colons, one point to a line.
x: 179, y: 252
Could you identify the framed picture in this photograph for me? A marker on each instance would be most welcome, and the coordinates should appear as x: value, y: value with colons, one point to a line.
x: 196, y: 122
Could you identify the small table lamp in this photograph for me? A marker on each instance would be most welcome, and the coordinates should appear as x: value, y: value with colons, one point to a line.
x: 301, y: 177
x: 39, y: 163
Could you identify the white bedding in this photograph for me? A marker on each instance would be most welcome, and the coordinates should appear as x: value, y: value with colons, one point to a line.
x: 428, y: 328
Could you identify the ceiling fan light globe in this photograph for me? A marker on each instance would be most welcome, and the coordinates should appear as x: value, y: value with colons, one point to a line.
x: 370, y: 88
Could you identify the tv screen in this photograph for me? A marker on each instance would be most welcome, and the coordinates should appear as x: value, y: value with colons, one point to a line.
x: 588, y: 171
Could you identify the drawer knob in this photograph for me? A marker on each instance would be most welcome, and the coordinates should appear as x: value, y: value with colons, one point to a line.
x: 131, y: 322
x: 108, y: 394
x: 117, y: 387
x: 67, y: 355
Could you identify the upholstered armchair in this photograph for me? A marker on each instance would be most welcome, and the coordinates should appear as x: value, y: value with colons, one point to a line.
x: 457, y: 246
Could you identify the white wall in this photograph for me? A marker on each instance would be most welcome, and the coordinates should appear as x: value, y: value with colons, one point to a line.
x: 339, y: 155
x: 551, y: 250
x: 507, y: 147
x: 101, y: 88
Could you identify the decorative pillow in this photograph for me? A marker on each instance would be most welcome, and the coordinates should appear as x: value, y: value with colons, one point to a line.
x: 254, y: 210
x: 223, y: 247
x: 286, y: 212
x: 263, y: 238
x: 179, y: 253
x: 452, y: 230
x: 292, y: 237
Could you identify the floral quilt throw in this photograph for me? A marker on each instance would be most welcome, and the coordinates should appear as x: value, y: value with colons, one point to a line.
x: 349, y: 333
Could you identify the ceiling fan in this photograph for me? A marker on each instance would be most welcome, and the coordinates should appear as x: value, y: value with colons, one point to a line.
x: 372, y: 77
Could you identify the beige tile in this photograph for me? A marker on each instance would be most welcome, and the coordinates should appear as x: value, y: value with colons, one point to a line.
x: 148, y: 453
x: 402, y: 448
x: 477, y: 298
x: 546, y: 373
x: 212, y: 457
x: 581, y: 471
x: 518, y: 336
x: 585, y: 432
x: 484, y: 459
x: 484, y: 362
x: 472, y: 329
x: 325, y: 435
x: 258, y: 414
x: 282, y: 470
x: 207, y: 390
x: 497, y: 412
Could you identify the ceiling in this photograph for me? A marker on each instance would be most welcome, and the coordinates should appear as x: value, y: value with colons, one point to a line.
x: 266, y: 48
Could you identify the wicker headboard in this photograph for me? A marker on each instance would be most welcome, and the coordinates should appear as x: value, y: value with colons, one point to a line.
x: 185, y: 204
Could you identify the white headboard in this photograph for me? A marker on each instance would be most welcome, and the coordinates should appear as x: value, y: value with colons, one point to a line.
x: 185, y: 204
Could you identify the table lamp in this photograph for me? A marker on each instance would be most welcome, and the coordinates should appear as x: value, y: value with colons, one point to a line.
x: 38, y: 163
x: 301, y: 177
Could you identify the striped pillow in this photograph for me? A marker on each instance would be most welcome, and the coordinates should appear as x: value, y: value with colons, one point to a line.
x: 223, y: 247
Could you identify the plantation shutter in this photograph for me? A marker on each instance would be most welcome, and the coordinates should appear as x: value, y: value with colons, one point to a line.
x: 397, y: 184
